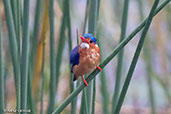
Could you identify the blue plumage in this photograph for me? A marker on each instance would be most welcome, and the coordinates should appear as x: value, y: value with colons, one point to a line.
x: 74, y: 57
x: 88, y: 35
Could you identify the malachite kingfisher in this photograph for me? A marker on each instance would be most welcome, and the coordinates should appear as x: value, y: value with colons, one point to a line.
x: 85, y: 57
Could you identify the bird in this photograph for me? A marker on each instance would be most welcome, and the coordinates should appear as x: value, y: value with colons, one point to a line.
x: 85, y: 57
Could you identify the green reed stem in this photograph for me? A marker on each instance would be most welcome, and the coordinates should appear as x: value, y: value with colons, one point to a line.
x: 52, y: 86
x: 25, y: 55
x: 135, y: 58
x: 13, y: 48
x: 30, y: 102
x: 2, y: 95
x: 85, y: 101
x: 120, y: 56
x: 106, y: 61
x: 92, y: 16
x: 82, y: 104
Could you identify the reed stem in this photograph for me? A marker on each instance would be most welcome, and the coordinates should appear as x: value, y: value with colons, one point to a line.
x: 25, y: 55
x: 52, y: 59
x: 2, y: 95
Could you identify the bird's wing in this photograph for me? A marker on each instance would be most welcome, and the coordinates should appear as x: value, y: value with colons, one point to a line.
x: 74, y: 57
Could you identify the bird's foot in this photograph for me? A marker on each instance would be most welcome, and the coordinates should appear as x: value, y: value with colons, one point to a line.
x: 85, y: 82
x: 99, y: 68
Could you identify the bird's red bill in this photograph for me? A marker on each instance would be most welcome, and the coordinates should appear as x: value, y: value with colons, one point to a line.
x: 83, y: 39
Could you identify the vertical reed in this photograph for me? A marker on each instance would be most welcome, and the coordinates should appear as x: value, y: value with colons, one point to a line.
x: 52, y: 59
x: 25, y: 55
x: 2, y: 95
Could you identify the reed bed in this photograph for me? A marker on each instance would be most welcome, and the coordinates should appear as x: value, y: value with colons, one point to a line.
x: 40, y: 52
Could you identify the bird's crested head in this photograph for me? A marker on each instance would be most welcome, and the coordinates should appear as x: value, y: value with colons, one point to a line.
x: 88, y: 41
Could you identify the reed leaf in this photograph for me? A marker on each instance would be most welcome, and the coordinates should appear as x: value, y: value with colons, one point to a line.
x: 2, y: 95
x: 120, y: 56
x: 25, y: 55
x: 13, y: 49
x: 106, y: 61
x: 135, y: 58
x: 52, y: 59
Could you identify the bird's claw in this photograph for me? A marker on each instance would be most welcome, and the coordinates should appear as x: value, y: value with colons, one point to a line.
x: 99, y: 68
x: 85, y: 82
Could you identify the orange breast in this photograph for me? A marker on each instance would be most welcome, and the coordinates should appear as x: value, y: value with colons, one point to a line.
x: 89, y: 59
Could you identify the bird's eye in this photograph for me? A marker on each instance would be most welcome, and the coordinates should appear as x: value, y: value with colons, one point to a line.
x: 91, y: 41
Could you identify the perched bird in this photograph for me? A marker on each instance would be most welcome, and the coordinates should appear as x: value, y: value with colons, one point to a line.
x: 85, y: 57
